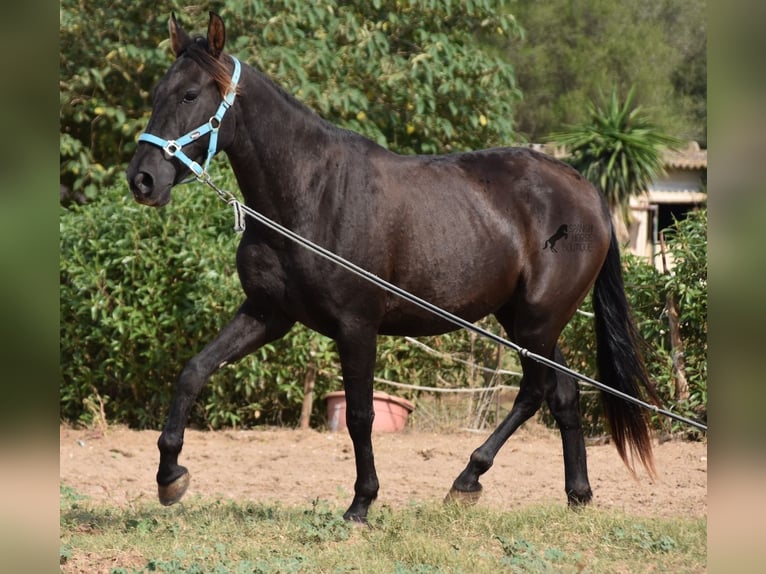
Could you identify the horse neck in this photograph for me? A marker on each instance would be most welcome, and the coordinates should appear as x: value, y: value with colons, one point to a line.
x: 277, y: 140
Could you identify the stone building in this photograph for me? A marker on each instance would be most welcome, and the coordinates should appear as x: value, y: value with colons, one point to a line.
x: 682, y: 188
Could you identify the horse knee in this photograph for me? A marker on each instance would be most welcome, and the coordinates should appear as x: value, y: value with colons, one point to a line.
x: 359, y: 421
x: 192, y: 373
x: 192, y: 378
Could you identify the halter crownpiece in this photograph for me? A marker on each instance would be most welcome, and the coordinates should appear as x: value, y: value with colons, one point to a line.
x: 173, y: 148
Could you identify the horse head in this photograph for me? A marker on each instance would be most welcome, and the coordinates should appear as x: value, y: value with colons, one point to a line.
x: 187, y: 125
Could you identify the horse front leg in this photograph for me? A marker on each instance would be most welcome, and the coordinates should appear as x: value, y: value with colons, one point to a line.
x: 357, y: 358
x: 246, y: 332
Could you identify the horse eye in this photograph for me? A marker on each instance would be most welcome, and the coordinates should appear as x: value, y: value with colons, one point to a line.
x: 190, y: 96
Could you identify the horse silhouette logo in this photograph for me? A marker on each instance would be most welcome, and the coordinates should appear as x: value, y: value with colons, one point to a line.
x: 561, y: 233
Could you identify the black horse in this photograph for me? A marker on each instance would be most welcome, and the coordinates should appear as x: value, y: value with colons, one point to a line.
x: 462, y: 231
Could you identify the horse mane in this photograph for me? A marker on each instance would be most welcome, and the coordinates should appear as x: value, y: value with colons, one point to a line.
x: 198, y: 52
x: 221, y: 74
x: 216, y: 67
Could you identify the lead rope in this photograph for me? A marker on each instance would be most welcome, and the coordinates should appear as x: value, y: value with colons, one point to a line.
x: 241, y: 210
x: 172, y: 149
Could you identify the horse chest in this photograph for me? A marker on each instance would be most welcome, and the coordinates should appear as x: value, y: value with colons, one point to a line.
x: 303, y: 285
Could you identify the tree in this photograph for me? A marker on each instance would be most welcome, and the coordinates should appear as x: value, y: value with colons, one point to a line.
x: 574, y: 49
x: 648, y: 291
x: 618, y: 150
x: 685, y: 24
x: 410, y: 75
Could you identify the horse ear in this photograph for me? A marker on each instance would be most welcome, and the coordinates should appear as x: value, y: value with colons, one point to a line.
x: 179, y: 39
x: 216, y: 35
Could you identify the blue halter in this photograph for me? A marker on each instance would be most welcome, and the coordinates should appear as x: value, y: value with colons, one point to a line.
x: 172, y: 148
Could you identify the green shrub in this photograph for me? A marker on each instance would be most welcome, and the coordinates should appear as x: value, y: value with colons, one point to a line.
x: 647, y: 290
x: 413, y: 76
x: 142, y: 290
x: 108, y: 64
x: 687, y: 243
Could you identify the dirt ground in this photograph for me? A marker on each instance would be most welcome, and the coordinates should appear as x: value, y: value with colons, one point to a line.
x: 295, y: 467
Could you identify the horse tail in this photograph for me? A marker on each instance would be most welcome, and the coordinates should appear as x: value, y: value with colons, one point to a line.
x: 621, y: 364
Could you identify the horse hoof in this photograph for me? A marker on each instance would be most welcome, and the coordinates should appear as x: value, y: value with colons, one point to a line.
x: 173, y: 492
x: 576, y: 500
x: 356, y: 521
x: 462, y: 497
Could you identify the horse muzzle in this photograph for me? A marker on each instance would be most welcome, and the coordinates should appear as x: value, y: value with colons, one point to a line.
x: 145, y: 190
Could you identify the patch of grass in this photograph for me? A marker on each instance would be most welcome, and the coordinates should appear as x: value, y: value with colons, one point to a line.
x: 215, y: 536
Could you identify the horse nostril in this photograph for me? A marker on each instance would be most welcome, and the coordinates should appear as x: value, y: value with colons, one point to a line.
x: 143, y: 184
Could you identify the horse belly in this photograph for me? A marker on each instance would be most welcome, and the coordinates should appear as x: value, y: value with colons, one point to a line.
x: 418, y: 322
x: 460, y: 254
x: 470, y: 291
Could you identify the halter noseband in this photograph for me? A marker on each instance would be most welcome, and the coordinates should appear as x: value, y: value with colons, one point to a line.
x: 172, y: 148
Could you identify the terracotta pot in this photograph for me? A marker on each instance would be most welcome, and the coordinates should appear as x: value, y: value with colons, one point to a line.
x: 390, y: 412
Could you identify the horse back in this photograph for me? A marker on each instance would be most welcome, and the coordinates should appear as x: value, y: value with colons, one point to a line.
x: 465, y: 230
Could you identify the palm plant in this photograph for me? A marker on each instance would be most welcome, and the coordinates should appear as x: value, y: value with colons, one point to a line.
x: 618, y: 150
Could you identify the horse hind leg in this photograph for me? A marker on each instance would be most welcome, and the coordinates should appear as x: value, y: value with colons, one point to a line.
x: 564, y: 403
x: 466, y: 488
x: 562, y: 396
x: 246, y: 332
x: 532, y: 331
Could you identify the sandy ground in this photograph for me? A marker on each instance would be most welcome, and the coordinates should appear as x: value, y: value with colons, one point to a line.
x: 295, y: 467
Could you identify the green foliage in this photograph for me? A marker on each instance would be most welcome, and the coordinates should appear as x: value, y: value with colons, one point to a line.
x: 107, y: 68
x: 523, y: 556
x: 410, y: 75
x: 686, y: 31
x: 687, y: 243
x: 639, y: 535
x: 322, y: 525
x: 617, y: 149
x: 648, y: 292
x: 142, y: 290
x: 572, y: 50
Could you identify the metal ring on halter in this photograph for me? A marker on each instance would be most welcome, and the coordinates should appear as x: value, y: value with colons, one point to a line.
x: 171, y: 149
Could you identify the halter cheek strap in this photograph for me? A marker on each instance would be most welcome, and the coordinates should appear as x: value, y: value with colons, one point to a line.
x: 173, y: 148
